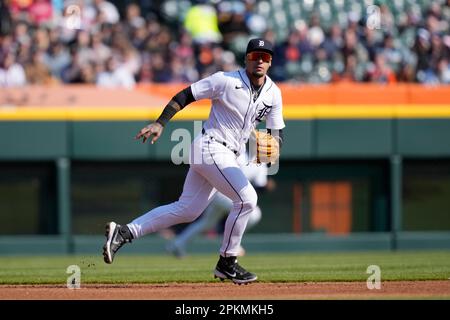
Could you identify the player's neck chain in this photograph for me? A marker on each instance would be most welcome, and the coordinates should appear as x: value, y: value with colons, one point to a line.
x: 256, y: 90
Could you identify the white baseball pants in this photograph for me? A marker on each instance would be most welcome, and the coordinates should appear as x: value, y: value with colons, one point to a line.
x: 217, y: 209
x: 212, y: 167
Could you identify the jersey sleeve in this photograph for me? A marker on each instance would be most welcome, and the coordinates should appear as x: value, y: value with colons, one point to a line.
x: 274, y: 119
x: 210, y: 87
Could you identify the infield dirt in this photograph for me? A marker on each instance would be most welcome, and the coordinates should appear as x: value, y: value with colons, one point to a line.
x: 229, y: 291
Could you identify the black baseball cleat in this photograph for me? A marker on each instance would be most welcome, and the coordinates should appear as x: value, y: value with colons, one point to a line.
x: 116, y: 237
x: 229, y: 268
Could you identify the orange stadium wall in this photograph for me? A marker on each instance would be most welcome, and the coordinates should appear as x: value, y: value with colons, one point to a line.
x: 347, y: 93
x: 155, y: 94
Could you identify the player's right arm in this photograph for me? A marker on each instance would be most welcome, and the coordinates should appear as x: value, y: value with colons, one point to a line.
x: 206, y: 88
x: 178, y: 102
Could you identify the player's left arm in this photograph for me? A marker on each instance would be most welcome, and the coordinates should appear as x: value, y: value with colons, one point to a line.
x: 277, y: 134
x: 274, y: 119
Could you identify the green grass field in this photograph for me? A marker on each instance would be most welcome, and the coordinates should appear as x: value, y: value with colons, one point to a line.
x: 270, y: 267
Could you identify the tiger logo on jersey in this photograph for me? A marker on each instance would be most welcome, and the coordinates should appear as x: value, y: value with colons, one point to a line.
x: 261, y: 113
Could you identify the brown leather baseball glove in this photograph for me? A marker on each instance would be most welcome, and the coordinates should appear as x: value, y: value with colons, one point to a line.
x: 267, y: 147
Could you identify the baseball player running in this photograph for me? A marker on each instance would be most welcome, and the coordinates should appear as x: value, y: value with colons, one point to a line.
x: 221, y: 206
x: 239, y: 99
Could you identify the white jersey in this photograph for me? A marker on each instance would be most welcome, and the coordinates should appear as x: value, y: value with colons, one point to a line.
x: 234, y: 114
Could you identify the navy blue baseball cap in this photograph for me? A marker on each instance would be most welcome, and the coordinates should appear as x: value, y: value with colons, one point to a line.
x: 259, y: 44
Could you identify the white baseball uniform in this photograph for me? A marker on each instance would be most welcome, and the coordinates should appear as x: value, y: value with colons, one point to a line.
x: 213, y: 158
x: 220, y: 206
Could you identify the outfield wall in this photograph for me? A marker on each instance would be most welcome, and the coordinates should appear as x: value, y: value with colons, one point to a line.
x: 363, y: 167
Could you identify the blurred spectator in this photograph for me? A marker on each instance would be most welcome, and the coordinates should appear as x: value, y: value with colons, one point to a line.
x: 133, y: 18
x: 182, y: 72
x: 391, y: 50
x: 145, y: 74
x: 36, y: 70
x: 349, y: 73
x: 315, y: 32
x: 6, y: 23
x: 23, y: 53
x: 333, y: 43
x: 56, y: 59
x: 231, y: 22
x: 22, y: 34
x: 255, y: 22
x: 101, y: 52
x: 422, y: 48
x: 202, y: 23
x: 369, y: 41
x: 160, y: 70
x: 350, y: 43
x: 40, y: 12
x: 115, y: 76
x: 72, y: 72
x: 126, y: 54
x: 438, y: 50
x: 387, y: 18
x: 439, y: 73
x: 41, y: 40
x: 407, y: 73
x: 108, y: 11
x: 19, y: 9
x: 304, y: 43
x: 380, y: 72
x: 443, y: 71
x: 184, y: 50
x: 83, y: 41
x: 11, y: 73
x: 6, y: 45
x: 88, y: 73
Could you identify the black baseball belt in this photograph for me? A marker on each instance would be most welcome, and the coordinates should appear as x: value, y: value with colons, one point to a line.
x: 221, y: 142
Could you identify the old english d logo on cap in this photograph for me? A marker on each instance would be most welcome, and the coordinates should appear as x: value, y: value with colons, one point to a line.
x: 259, y: 44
